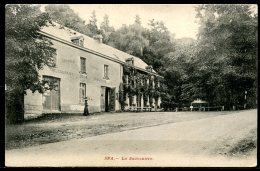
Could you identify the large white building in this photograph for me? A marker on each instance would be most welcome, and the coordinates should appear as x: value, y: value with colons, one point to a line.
x: 85, y: 67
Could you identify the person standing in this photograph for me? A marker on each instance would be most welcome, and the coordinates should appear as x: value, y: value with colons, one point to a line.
x: 86, y: 113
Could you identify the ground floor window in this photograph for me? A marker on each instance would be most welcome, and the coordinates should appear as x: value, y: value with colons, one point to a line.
x: 82, y: 92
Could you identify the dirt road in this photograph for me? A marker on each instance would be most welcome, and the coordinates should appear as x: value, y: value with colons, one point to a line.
x: 62, y: 127
x: 214, y: 141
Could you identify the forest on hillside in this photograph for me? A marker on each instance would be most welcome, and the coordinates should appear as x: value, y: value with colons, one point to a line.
x: 220, y: 66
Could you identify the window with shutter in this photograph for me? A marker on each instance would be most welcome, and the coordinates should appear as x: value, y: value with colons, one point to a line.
x: 82, y: 65
x: 106, y: 72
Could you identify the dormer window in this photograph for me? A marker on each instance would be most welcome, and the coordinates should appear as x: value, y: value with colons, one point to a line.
x: 149, y: 68
x: 130, y: 61
x: 79, y: 40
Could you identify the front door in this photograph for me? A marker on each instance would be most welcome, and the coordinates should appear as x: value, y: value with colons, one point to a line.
x: 107, y: 99
x: 112, y: 99
x: 51, y: 98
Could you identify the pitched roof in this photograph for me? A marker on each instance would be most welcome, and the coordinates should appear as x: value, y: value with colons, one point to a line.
x: 66, y: 34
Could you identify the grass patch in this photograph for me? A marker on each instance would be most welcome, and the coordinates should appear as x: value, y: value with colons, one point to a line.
x: 245, y: 146
x: 52, y: 117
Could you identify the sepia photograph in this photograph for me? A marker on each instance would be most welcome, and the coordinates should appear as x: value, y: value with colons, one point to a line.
x: 131, y: 85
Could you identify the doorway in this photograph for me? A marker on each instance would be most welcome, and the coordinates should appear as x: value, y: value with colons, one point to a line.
x: 51, y: 98
x: 107, y: 99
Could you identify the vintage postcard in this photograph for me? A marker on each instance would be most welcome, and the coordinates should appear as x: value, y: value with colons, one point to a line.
x: 131, y: 85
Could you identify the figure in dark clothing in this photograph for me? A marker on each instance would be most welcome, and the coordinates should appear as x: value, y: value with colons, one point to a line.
x: 86, y: 113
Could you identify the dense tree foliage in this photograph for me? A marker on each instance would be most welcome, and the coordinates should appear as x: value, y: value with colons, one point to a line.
x: 26, y: 52
x: 106, y: 29
x: 220, y: 66
x: 92, y: 25
x: 130, y: 38
x: 65, y: 16
x: 179, y: 67
x: 226, y: 54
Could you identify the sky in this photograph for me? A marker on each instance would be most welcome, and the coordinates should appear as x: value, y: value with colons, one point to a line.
x: 178, y: 18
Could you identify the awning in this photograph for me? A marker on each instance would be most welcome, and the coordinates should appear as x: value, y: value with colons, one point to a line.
x: 198, y: 101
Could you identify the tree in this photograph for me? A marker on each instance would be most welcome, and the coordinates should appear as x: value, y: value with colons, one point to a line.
x: 180, y: 65
x: 160, y: 44
x: 92, y: 25
x: 106, y: 29
x: 26, y: 52
x: 137, y: 20
x: 227, y: 49
x: 65, y: 16
x: 130, y: 39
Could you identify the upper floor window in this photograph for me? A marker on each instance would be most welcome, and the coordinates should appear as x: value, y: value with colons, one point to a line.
x: 79, y: 40
x: 52, y: 59
x: 106, y: 72
x: 82, y: 65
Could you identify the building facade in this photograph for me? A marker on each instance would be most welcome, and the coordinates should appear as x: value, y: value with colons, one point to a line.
x: 85, y: 68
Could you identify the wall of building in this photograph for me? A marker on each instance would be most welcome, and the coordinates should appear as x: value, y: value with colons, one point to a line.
x: 68, y: 71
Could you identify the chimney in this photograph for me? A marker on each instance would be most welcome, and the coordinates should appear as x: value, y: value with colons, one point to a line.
x: 99, y: 38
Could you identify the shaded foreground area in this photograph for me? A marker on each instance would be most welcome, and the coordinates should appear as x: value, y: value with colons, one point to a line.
x: 223, y: 140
